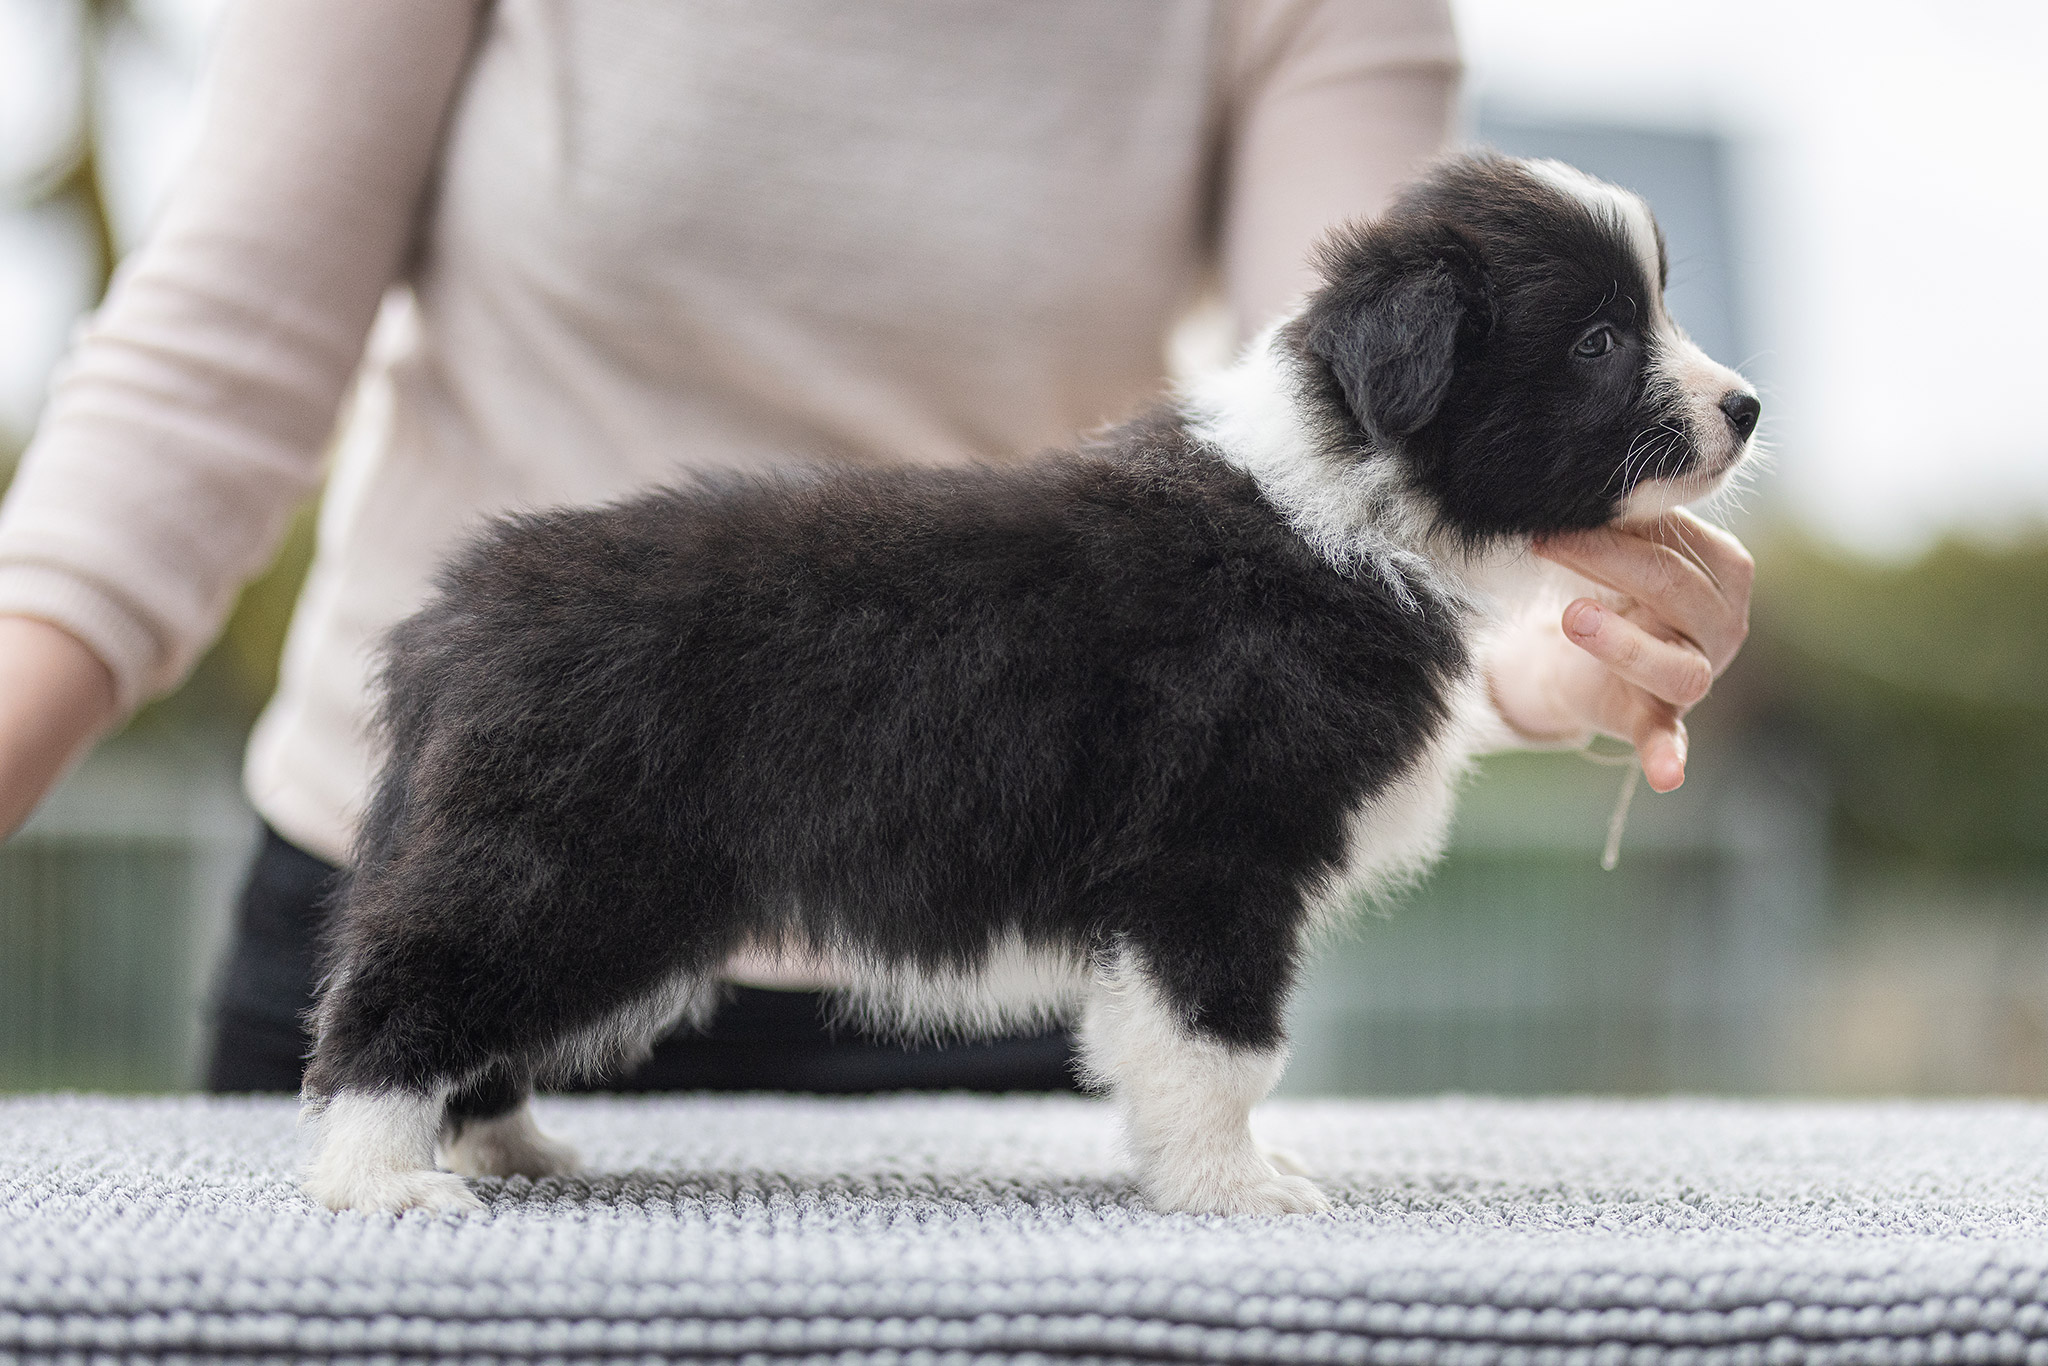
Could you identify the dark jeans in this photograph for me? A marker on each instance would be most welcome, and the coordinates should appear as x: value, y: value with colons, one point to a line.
x: 759, y: 1040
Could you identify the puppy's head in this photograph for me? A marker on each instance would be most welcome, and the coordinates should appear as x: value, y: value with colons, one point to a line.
x: 1502, y: 331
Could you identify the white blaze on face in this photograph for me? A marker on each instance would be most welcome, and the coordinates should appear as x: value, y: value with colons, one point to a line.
x: 1677, y: 365
x: 1621, y: 210
x: 1700, y: 383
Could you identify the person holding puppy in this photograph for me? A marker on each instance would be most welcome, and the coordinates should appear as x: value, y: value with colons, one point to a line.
x: 629, y: 243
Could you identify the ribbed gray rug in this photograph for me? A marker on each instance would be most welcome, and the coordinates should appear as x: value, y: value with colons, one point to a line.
x: 895, y: 1229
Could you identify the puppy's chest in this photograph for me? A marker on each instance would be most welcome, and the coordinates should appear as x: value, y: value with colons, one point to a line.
x: 1394, y: 835
x: 1396, y: 832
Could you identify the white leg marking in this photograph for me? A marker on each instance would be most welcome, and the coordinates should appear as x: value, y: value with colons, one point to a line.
x: 375, y: 1151
x: 510, y: 1144
x: 1186, y: 1103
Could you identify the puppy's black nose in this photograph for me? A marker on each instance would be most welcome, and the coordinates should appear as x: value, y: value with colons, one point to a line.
x: 1742, y: 411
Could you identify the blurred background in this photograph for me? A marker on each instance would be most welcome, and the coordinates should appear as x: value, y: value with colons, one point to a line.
x: 1850, y: 894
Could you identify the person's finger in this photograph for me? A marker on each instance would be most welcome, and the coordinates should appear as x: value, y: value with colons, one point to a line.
x: 1724, y: 557
x: 1724, y: 560
x: 1660, y: 742
x: 1652, y: 725
x: 1674, y: 672
x: 1668, y: 581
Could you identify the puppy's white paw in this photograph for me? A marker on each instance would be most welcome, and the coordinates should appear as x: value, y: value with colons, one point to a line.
x: 1276, y: 1195
x: 1285, y: 1162
x: 510, y: 1145
x: 391, y: 1191
x: 374, y: 1151
x: 1255, y: 1189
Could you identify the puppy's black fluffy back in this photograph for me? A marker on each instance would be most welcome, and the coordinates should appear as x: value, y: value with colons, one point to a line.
x: 1108, y: 699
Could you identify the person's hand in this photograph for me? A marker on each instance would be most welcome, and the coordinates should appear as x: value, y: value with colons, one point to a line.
x: 55, y: 696
x: 1672, y: 611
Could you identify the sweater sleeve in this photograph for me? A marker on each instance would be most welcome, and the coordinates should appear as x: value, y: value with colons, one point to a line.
x: 192, y: 413
x: 1331, y: 105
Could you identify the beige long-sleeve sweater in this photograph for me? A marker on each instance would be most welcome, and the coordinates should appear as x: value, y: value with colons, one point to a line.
x: 643, y: 237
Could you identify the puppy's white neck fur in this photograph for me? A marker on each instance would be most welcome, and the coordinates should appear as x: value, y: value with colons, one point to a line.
x: 1360, y: 515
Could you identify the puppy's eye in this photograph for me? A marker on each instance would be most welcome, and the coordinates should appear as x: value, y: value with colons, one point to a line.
x: 1595, y: 343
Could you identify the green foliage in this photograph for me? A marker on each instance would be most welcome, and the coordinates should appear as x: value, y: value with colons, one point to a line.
x: 1921, y: 689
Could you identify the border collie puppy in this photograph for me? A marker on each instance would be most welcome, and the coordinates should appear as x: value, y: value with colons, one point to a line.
x: 1110, y: 733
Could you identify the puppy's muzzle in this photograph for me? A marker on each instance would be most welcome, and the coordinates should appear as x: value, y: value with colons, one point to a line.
x: 1742, y: 410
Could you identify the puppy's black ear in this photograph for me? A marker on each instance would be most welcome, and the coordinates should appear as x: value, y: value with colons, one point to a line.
x: 1388, y: 320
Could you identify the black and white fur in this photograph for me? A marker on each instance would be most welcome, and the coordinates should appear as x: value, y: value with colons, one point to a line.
x: 1110, y: 733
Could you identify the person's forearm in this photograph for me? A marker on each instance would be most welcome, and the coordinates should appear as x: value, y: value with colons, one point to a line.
x: 1334, y: 106
x: 56, y: 696
x: 191, y: 417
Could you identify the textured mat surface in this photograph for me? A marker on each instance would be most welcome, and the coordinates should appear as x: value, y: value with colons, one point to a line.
x: 1468, y: 1231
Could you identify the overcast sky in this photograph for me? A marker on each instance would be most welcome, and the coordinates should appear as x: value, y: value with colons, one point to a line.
x: 1892, y: 211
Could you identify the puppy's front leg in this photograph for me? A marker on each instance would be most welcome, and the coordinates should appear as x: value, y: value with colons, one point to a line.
x: 1186, y: 1100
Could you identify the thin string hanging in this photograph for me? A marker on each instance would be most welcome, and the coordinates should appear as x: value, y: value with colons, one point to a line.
x: 1610, y: 854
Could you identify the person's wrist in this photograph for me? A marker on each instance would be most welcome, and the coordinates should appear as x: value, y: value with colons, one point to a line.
x: 56, y: 695
x: 1522, y: 684
x: 1539, y: 727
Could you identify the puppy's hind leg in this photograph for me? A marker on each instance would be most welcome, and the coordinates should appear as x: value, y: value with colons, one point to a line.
x: 389, y: 1051
x: 489, y: 1131
x: 374, y: 1150
x: 1186, y: 1094
x: 375, y: 1095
